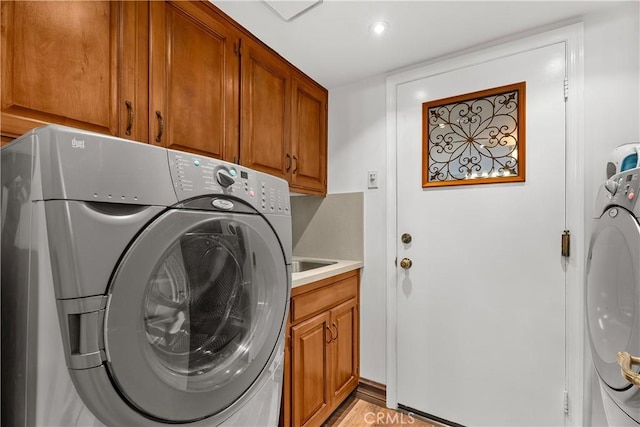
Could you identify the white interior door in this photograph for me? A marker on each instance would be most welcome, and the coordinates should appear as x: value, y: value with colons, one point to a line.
x: 481, y: 313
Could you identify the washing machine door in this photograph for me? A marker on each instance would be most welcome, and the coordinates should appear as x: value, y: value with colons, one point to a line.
x: 195, y: 311
x: 613, y: 293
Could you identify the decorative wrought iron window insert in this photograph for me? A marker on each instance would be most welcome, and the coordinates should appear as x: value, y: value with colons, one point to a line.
x: 476, y: 138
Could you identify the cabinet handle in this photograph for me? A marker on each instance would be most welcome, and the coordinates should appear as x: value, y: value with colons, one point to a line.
x: 295, y: 159
x: 160, y: 126
x: 131, y: 115
x: 288, y: 166
x: 336, y: 327
x: 328, y: 329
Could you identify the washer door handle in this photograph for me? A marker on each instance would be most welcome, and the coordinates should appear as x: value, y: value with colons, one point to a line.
x: 625, y: 360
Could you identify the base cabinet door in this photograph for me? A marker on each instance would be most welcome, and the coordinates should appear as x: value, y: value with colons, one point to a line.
x: 345, y: 361
x: 310, y: 365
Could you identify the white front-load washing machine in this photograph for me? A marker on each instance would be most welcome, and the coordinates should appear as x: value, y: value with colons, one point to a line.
x: 613, y: 296
x: 140, y: 286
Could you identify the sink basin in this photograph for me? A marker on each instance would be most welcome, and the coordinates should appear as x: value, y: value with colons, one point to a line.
x: 299, y: 266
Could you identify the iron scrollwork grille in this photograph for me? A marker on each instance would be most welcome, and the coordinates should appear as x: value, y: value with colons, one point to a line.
x: 476, y: 138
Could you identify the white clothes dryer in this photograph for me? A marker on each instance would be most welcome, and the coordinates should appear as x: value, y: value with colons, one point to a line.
x: 140, y: 286
x: 613, y: 295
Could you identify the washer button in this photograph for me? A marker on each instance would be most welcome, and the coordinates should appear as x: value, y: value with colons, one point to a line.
x: 223, y: 204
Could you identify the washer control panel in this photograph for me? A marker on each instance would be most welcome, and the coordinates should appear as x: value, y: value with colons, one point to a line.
x: 195, y: 175
x: 622, y: 189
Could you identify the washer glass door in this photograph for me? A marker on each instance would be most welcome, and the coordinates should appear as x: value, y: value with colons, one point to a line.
x: 196, y: 309
x: 612, y: 293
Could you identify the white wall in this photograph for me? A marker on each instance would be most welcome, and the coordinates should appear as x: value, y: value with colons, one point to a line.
x: 357, y: 145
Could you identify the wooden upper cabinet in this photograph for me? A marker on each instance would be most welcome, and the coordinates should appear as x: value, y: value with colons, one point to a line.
x: 266, y: 110
x: 178, y: 74
x: 194, y: 80
x: 284, y: 120
x: 309, y: 137
x: 133, y: 96
x: 62, y: 62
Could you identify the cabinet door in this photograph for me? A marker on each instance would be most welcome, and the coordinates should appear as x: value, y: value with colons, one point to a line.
x: 310, y: 364
x: 266, y: 104
x: 133, y: 96
x: 309, y: 137
x: 345, y: 372
x: 194, y: 80
x: 60, y: 64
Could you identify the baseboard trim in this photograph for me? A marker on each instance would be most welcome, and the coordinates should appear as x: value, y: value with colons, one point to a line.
x: 372, y: 392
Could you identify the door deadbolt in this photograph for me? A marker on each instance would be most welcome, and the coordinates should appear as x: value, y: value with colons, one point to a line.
x: 406, y: 263
x: 406, y: 238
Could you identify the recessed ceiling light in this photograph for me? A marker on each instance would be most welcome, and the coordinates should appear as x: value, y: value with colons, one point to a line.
x: 379, y: 27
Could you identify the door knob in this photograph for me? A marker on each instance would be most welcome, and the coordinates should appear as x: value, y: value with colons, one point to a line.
x: 406, y: 238
x: 406, y: 263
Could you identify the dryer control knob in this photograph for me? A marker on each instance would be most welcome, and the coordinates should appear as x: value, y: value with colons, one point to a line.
x: 224, y: 178
x: 611, y: 186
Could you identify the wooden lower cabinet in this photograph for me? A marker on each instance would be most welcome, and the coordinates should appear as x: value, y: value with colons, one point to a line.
x: 322, y: 358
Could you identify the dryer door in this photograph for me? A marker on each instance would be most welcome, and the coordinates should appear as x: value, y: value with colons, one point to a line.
x: 613, y: 293
x: 196, y: 308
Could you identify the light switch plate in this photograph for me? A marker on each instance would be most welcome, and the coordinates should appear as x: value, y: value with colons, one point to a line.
x: 372, y: 179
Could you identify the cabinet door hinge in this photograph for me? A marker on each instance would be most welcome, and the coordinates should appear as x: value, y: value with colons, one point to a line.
x: 565, y: 402
x: 566, y: 89
x: 566, y: 243
x: 237, y: 48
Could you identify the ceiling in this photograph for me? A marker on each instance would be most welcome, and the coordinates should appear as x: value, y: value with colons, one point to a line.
x: 332, y: 43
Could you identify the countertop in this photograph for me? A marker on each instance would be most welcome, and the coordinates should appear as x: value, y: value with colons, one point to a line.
x: 315, y: 274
